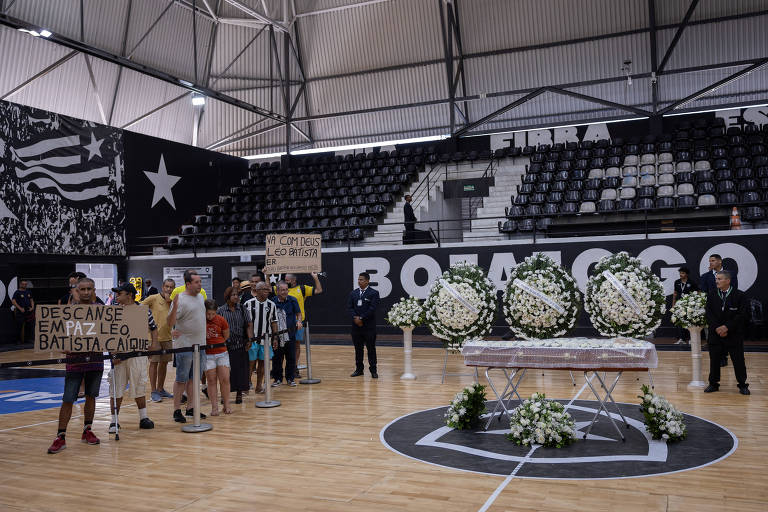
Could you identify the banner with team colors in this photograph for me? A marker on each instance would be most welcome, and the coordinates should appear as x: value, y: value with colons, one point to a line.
x: 61, y: 184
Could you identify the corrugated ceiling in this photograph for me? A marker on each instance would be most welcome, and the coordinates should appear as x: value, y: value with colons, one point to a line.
x: 379, y: 62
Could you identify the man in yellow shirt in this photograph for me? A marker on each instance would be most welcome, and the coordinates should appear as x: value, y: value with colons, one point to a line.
x: 180, y: 289
x: 159, y: 304
x: 301, y: 293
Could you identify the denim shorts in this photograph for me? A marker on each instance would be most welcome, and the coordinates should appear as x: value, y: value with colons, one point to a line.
x: 72, y: 382
x: 184, y: 365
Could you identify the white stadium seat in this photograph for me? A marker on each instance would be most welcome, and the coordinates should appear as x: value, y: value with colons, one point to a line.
x: 595, y: 173
x: 664, y: 158
x: 587, y: 207
x: 609, y: 193
x: 629, y: 170
x: 683, y: 167
x: 647, y: 169
x: 628, y: 192
x: 707, y: 200
x: 647, y: 158
x: 666, y: 169
x: 612, y: 172
x: 665, y: 191
x: 649, y: 180
x: 666, y: 179
x: 630, y: 160
x: 629, y: 181
x: 685, y: 189
x: 702, y: 165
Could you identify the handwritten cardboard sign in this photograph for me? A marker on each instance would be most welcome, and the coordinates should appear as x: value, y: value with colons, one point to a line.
x: 91, y: 328
x: 292, y: 252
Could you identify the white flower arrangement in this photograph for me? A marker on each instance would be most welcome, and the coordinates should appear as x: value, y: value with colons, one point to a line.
x: 541, y: 300
x: 461, y: 304
x: 624, y: 298
x: 690, y: 310
x: 541, y: 421
x: 466, y: 407
x: 407, y: 312
x: 662, y: 419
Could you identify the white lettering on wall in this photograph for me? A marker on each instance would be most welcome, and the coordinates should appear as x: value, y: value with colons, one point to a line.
x: 596, y: 132
x: 408, y: 271
x: 378, y: 268
x: 745, y: 260
x: 581, y: 265
x: 566, y: 134
x: 669, y: 256
x: 502, y: 263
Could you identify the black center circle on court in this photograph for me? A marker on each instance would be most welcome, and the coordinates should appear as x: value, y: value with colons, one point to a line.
x: 424, y: 436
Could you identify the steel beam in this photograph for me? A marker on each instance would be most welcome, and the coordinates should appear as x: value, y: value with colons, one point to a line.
x: 716, y: 85
x: 146, y: 70
x: 123, y: 48
x: 221, y: 142
x: 232, y: 140
x: 39, y: 74
x: 150, y: 29
x: 502, y: 110
x: 253, y: 14
x: 300, y: 61
x: 678, y: 33
x: 447, y: 35
x: 654, y: 55
x: 194, y: 40
x: 99, y: 104
x: 156, y: 109
x: 592, y: 99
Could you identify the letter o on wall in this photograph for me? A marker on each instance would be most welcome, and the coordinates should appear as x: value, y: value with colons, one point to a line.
x: 747, y: 271
x: 408, y: 272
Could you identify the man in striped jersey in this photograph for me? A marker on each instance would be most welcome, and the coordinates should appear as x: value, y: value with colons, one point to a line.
x: 133, y: 370
x: 264, y: 314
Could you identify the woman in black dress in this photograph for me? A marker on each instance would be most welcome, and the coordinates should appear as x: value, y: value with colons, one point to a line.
x: 240, y: 325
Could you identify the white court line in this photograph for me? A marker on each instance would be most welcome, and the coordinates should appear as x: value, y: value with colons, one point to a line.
x: 506, y: 481
x: 36, y: 424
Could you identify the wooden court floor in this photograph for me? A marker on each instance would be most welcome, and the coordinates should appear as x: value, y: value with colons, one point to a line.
x: 320, y: 451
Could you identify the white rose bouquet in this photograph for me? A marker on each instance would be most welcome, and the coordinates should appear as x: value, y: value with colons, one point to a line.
x: 541, y: 300
x: 541, y: 421
x: 461, y: 304
x: 662, y: 420
x: 690, y: 310
x: 407, y: 312
x: 624, y: 298
x: 466, y: 407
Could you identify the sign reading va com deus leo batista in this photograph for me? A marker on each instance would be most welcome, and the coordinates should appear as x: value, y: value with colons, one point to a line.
x: 91, y: 328
x: 292, y: 252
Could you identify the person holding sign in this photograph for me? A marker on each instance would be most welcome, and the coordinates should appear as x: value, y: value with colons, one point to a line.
x: 301, y: 294
x: 132, y: 370
x: 362, y: 304
x: 76, y: 372
x: 188, y: 317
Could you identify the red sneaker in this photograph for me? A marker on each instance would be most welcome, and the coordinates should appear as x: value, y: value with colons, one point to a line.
x: 58, y: 444
x: 89, y: 437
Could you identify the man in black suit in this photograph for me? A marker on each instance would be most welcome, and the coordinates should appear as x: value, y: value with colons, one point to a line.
x: 362, y: 304
x: 410, y: 218
x: 726, y: 321
x: 708, y: 284
x: 151, y: 290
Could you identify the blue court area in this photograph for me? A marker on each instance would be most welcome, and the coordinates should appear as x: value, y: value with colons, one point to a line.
x: 35, y: 393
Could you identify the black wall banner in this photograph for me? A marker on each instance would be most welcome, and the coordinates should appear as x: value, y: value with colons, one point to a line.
x: 62, y: 189
x: 397, y: 272
x: 169, y: 183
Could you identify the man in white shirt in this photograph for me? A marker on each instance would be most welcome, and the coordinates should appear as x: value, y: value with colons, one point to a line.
x: 187, y: 319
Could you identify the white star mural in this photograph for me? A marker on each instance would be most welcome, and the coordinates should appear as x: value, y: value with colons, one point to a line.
x: 163, y: 183
x: 94, y: 148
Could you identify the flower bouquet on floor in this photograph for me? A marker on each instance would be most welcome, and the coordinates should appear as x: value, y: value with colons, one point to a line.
x: 624, y: 298
x: 406, y: 313
x: 541, y: 300
x: 461, y: 305
x: 466, y: 407
x: 690, y: 310
x: 662, y: 420
x: 541, y: 421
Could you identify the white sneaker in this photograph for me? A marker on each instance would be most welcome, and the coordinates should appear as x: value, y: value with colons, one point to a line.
x: 276, y: 383
x: 301, y: 367
x: 680, y: 342
x: 112, y: 428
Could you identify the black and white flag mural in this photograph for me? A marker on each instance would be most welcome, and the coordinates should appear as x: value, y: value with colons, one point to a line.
x: 61, y: 184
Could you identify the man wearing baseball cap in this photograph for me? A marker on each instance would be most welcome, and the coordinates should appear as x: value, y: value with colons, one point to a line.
x: 134, y: 369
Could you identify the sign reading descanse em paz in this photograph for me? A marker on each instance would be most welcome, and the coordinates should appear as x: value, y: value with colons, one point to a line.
x: 91, y: 328
x: 292, y: 252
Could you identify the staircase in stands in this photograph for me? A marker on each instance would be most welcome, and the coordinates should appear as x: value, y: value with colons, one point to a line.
x: 509, y: 175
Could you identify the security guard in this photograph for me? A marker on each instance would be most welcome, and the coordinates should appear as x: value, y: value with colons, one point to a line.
x: 726, y: 321
x: 362, y: 304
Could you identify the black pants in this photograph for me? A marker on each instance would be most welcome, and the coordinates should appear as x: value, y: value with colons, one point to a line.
x: 287, y: 353
x: 367, y: 338
x: 25, y: 328
x: 720, y: 348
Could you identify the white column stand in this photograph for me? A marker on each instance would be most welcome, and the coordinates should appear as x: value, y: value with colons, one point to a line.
x: 407, y: 351
x: 195, y: 398
x: 267, y: 402
x: 696, y: 382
